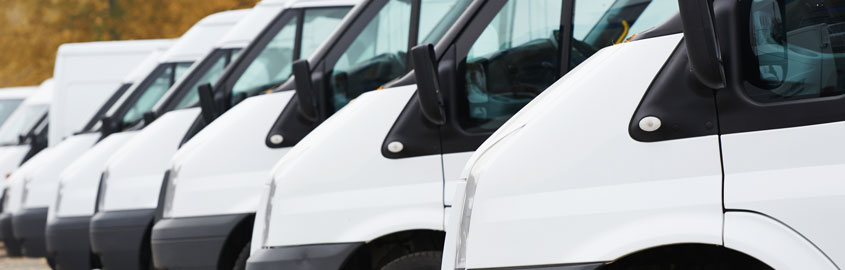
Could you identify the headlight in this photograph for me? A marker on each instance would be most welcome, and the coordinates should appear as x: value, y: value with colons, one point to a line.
x: 269, y: 209
x: 463, y: 229
x: 472, y: 184
x: 101, y: 193
x: 58, y: 202
x: 169, y: 192
x: 25, y: 192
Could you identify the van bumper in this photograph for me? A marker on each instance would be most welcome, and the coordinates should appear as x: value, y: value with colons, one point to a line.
x: 307, y: 257
x: 118, y: 237
x: 28, y: 226
x: 194, y: 242
x: 67, y: 242
x: 10, y: 244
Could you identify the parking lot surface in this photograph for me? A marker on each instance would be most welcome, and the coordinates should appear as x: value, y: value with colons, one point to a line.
x: 7, y: 263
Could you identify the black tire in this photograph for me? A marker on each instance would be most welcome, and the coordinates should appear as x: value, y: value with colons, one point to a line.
x: 425, y: 260
x: 240, y: 263
x: 51, y: 261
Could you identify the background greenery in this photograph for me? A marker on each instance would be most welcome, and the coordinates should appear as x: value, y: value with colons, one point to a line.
x: 32, y: 30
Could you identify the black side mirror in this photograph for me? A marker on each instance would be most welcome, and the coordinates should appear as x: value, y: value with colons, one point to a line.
x: 428, y: 83
x: 149, y: 117
x: 109, y: 125
x: 305, y: 90
x: 206, y: 95
x: 701, y: 42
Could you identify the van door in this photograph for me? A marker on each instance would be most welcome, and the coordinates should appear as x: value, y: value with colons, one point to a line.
x: 782, y: 118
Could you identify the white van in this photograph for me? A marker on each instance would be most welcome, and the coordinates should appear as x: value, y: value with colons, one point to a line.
x: 85, y: 75
x: 716, y: 149
x: 231, y: 158
x: 121, y: 236
x: 22, y: 136
x: 69, y: 217
x: 365, y: 189
x: 63, y: 233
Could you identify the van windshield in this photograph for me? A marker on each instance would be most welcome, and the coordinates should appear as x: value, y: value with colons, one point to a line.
x: 7, y: 107
x: 211, y: 71
x: 151, y: 90
x: 379, y: 53
x: 20, y: 122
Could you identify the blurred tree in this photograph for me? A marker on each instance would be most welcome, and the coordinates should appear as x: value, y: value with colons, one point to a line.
x: 32, y: 30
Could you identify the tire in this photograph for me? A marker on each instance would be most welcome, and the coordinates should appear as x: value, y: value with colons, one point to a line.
x: 240, y: 263
x: 425, y: 260
x: 51, y: 261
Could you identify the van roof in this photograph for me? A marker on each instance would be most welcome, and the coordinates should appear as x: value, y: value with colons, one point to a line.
x: 104, y: 47
x: 17, y: 92
x: 43, y: 94
x: 200, y: 38
x: 147, y: 65
x: 263, y: 13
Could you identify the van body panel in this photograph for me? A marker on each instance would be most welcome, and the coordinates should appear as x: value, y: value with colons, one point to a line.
x: 756, y: 234
x: 222, y: 168
x: 375, y: 201
x: 136, y: 170
x: 82, y: 178
x: 42, y: 182
x: 602, y: 193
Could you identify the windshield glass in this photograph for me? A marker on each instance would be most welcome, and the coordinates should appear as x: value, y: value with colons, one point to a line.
x: 7, y: 106
x: 272, y: 66
x: 152, y: 89
x: 433, y: 29
x: 20, y: 122
x: 600, y: 23
x: 379, y: 53
x: 214, y: 68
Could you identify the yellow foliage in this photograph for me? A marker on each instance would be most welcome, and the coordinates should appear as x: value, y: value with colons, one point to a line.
x: 32, y: 30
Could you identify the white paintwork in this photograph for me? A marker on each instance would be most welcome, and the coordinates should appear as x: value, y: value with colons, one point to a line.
x: 137, y: 169
x: 41, y: 183
x: 86, y: 75
x: 771, y: 242
x: 17, y: 92
x: 248, y: 28
x: 79, y: 182
x: 793, y: 175
x: 15, y: 188
x: 12, y: 155
x: 336, y: 186
x: 202, y: 37
x: 598, y: 194
x: 221, y: 169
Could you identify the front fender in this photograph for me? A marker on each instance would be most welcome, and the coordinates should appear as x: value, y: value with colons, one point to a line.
x: 772, y: 242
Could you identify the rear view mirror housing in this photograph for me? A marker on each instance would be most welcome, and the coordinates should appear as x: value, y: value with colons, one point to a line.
x: 702, y: 44
x: 108, y: 126
x: 149, y: 117
x: 305, y: 90
x: 206, y: 95
x: 428, y: 83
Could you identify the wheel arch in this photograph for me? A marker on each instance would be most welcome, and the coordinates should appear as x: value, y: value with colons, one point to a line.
x: 382, y: 250
x: 236, y: 239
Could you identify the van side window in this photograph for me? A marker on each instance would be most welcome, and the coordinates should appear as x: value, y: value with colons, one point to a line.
x: 318, y: 24
x: 798, y: 49
x: 514, y: 59
x: 518, y: 55
x: 375, y: 57
x: 272, y: 66
x: 221, y: 60
x: 165, y: 78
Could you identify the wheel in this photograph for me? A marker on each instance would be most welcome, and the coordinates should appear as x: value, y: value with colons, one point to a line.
x: 240, y: 263
x: 425, y: 260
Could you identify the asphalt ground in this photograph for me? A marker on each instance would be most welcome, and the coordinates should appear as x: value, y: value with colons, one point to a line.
x: 8, y: 263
